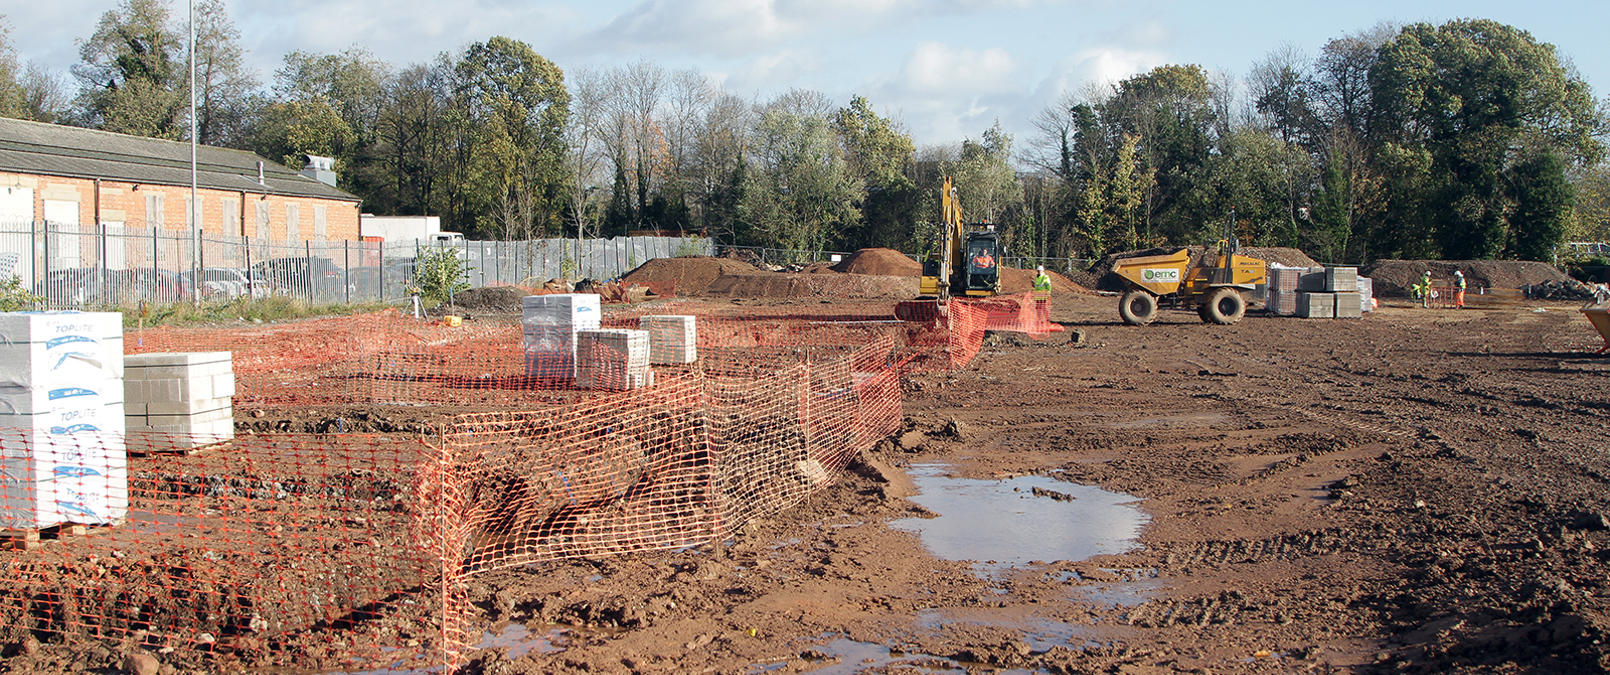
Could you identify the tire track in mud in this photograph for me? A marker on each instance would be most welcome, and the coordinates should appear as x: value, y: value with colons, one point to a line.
x: 1284, y: 548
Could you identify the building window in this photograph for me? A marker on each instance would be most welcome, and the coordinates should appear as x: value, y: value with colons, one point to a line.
x: 192, y: 212
x: 262, y: 219
x: 153, y: 210
x: 293, y: 214
x: 318, y: 222
x: 231, y: 208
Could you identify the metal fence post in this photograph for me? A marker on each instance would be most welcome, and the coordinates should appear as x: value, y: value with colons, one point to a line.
x: 251, y: 280
x: 346, y: 270
x: 104, y: 280
x: 44, y: 228
x: 380, y: 254
x: 155, y: 254
x: 307, y: 264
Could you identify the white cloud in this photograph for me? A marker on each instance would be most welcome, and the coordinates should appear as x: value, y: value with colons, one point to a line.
x: 724, y: 27
x: 404, y: 33
x: 935, y: 68
x: 774, y: 72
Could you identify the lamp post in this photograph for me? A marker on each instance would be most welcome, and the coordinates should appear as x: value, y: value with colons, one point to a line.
x: 195, y: 208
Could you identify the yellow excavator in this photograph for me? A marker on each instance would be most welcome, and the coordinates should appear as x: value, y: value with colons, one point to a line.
x: 965, y: 263
x: 1215, y: 290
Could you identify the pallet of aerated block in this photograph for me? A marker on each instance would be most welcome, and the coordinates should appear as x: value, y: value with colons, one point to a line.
x: 178, y: 402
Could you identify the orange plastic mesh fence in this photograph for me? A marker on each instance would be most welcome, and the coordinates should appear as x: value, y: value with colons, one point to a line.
x: 232, y: 555
x: 685, y: 462
x: 347, y: 550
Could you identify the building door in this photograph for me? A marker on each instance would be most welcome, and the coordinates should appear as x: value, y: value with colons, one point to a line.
x: 117, y: 245
x: 61, y: 219
x: 16, y: 233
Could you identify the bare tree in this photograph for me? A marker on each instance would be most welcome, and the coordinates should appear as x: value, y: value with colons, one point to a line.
x: 584, y: 139
x: 633, y: 99
x: 690, y: 97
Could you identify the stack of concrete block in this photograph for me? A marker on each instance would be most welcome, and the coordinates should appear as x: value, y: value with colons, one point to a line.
x: 62, y: 453
x: 179, y: 400
x: 672, y: 340
x: 1341, y: 279
x: 1316, y: 305
x: 1312, y: 280
x: 549, y: 324
x: 1283, y: 283
x: 612, y: 359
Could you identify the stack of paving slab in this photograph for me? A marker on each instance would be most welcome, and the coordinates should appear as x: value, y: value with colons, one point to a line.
x: 613, y: 359
x: 1318, y: 292
x: 672, y: 339
x: 549, y: 324
x: 179, y: 401
x: 1282, y: 289
x: 62, y: 453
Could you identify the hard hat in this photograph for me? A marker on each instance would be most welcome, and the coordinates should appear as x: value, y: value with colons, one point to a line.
x: 1458, y: 273
x: 1039, y: 268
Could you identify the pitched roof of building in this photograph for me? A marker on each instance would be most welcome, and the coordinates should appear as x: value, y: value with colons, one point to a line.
x: 56, y: 150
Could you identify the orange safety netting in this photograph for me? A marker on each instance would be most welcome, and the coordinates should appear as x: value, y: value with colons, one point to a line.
x: 343, y: 550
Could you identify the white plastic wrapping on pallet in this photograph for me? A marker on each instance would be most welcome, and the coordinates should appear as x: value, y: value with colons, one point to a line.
x: 1366, y: 295
x: 612, y: 359
x: 179, y: 399
x: 62, y: 452
x: 1282, y: 303
x: 548, y: 327
x: 672, y: 339
x: 89, y: 498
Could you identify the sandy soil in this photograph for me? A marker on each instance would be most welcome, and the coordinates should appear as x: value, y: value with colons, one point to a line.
x: 1417, y: 491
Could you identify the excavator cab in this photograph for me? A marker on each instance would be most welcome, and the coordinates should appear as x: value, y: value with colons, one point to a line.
x: 982, y: 268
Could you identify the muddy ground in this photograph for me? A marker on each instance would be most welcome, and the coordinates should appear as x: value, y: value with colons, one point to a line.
x: 1416, y: 491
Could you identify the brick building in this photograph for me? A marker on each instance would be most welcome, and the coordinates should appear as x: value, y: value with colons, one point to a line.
x: 83, y: 181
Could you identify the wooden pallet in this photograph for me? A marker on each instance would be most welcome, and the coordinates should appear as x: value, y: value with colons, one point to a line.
x: 135, y: 450
x: 28, y: 539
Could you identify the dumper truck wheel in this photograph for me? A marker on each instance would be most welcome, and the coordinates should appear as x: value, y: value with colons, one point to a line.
x: 1224, y: 306
x: 1137, y: 307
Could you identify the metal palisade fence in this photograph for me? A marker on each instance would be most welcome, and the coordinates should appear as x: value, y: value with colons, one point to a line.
x: 87, y: 266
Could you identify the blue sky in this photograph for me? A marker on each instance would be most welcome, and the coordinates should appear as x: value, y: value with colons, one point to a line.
x: 946, y: 69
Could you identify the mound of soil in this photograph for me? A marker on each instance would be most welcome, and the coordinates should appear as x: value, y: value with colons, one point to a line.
x: 880, y: 261
x: 1022, y: 281
x: 688, y: 276
x: 806, y: 285
x: 491, y: 299
x: 1103, y: 279
x: 1393, y: 278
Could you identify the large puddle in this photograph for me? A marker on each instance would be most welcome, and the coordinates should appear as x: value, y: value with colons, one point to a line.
x: 1001, y: 524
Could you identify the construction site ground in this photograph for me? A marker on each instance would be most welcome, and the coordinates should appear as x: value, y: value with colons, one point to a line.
x: 1419, y: 490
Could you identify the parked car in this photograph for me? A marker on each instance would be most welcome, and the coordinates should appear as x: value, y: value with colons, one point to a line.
x: 76, y: 286
x: 299, y: 277
x: 228, y: 283
x: 144, y: 283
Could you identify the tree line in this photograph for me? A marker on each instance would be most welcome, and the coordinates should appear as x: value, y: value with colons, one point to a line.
x: 1466, y: 140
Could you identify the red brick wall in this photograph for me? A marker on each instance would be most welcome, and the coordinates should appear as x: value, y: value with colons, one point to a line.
x: 126, y: 202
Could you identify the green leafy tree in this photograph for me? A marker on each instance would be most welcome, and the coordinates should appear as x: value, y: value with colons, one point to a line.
x: 880, y: 155
x: 288, y: 131
x: 226, y: 95
x: 1474, y: 95
x: 439, y: 274
x: 131, y: 75
x: 519, y: 106
x: 801, y: 193
x: 1543, y: 198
